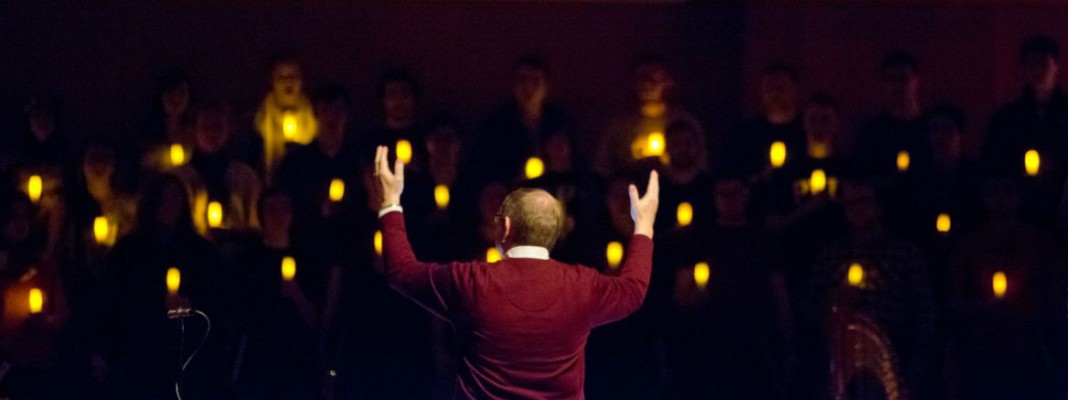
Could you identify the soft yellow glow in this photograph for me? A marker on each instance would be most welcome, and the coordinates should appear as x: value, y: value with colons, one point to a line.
x: 36, y: 301
x: 404, y: 151
x: 684, y: 214
x: 1032, y: 162
x: 818, y: 181
x: 700, y: 274
x: 535, y: 167
x: 1000, y: 284
x: 944, y: 223
x: 215, y: 214
x: 903, y: 161
x: 614, y: 254
x: 493, y: 255
x: 441, y: 196
x: 101, y: 229
x: 337, y: 190
x: 655, y: 144
x: 289, y: 268
x: 177, y: 155
x: 777, y: 154
x: 289, y: 126
x: 378, y: 242
x: 34, y: 188
x: 174, y: 280
x: 855, y: 276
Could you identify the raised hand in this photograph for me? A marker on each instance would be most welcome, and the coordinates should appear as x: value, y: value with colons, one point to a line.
x: 643, y: 209
x: 391, y: 182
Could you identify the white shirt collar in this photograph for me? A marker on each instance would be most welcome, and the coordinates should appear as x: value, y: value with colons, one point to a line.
x: 535, y: 252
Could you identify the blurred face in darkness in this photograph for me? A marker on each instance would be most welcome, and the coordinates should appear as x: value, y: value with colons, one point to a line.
x: 558, y: 152
x: 902, y: 84
x: 652, y: 82
x: 945, y: 137
x: 684, y: 148
x: 778, y: 92
x: 213, y: 131
x: 861, y: 207
x: 286, y: 83
x: 171, y: 204
x: 1001, y: 196
x: 277, y: 214
x: 176, y: 99
x: 443, y: 147
x: 42, y: 123
x: 531, y: 88
x: 1040, y: 71
x: 821, y: 125
x: 333, y: 119
x: 398, y: 101
x: 731, y: 198
x: 97, y: 168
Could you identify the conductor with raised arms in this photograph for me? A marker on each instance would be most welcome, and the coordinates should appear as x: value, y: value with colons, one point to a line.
x: 521, y: 323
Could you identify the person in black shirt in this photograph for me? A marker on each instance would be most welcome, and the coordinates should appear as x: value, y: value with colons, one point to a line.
x: 900, y: 127
x: 747, y: 150
x: 398, y: 95
x: 1037, y: 120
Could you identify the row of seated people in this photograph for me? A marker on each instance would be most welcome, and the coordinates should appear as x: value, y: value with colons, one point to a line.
x: 274, y: 236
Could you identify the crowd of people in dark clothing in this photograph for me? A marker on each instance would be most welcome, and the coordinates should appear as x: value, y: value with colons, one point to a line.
x: 776, y: 245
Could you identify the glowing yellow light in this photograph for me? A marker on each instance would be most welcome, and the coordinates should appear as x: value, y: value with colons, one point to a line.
x: 535, y: 167
x: 943, y: 223
x: 818, y: 181
x: 100, y: 229
x: 654, y: 144
x: 1032, y: 162
x: 614, y: 254
x: 493, y: 255
x: 700, y: 274
x: 289, y: 268
x: 684, y: 214
x: 441, y: 196
x: 777, y: 154
x: 855, y: 276
x: 903, y: 161
x: 177, y: 155
x: 36, y: 301
x: 289, y: 126
x: 404, y: 151
x: 215, y: 214
x: 337, y: 190
x: 378, y: 242
x: 174, y: 280
x: 1000, y: 284
x: 34, y: 188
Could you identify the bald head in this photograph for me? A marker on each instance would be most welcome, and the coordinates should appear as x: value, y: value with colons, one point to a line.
x: 536, y: 218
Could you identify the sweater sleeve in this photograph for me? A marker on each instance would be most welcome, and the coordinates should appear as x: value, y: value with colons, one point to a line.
x: 616, y: 297
x: 430, y: 285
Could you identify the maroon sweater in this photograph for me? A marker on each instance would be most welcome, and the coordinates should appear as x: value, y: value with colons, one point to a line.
x: 521, y: 324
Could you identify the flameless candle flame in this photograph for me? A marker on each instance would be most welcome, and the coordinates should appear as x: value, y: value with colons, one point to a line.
x: 654, y: 145
x: 534, y: 168
x: 903, y: 161
x: 1032, y: 162
x: 944, y: 223
x: 289, y: 268
x: 177, y: 155
x: 614, y: 254
x: 378, y: 242
x: 777, y: 154
x: 404, y: 151
x: 36, y: 301
x: 818, y: 181
x: 684, y: 214
x: 174, y: 280
x: 289, y: 126
x: 215, y: 214
x: 34, y: 188
x: 101, y: 229
x: 700, y: 274
x: 441, y: 196
x: 493, y: 255
x: 855, y: 276
x: 337, y: 190
x: 1000, y: 284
